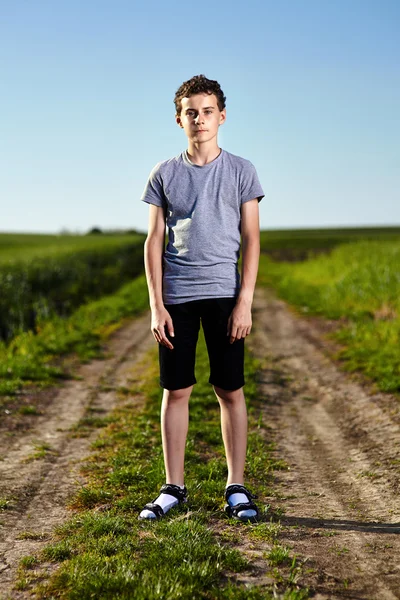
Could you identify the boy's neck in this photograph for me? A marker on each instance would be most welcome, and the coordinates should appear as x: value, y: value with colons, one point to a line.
x: 202, y: 154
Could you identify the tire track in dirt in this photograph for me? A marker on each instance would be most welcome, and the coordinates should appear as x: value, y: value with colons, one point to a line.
x: 41, y: 488
x: 341, y: 441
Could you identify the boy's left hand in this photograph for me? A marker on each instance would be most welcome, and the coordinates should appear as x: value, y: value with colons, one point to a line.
x: 239, y: 322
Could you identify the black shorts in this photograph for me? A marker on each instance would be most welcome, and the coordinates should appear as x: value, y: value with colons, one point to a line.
x: 226, y: 360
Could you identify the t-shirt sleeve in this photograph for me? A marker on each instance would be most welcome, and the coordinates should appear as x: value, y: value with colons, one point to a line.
x: 250, y: 186
x: 153, y: 192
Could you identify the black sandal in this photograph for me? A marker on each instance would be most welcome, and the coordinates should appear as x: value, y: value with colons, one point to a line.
x: 168, y: 488
x: 233, y: 511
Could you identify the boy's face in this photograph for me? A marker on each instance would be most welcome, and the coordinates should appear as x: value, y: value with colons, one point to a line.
x: 200, y: 117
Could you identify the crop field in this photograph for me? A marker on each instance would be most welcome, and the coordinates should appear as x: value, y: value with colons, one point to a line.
x: 301, y: 244
x: 80, y: 439
x: 48, y: 276
x: 356, y: 283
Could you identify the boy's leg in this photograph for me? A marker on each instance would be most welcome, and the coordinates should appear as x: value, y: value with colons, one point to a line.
x: 234, y: 431
x: 227, y: 378
x: 174, y: 428
x: 234, y: 434
x: 177, y: 378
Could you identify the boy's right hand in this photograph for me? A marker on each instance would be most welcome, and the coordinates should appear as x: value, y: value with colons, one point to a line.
x: 160, y: 323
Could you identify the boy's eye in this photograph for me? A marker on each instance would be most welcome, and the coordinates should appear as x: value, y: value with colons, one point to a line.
x: 192, y: 113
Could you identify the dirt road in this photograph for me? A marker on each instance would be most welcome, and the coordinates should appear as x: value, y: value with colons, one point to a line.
x: 40, y: 488
x: 340, y: 498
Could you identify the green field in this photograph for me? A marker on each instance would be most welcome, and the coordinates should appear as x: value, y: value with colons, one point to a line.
x: 356, y: 281
x: 26, y: 246
x: 300, y: 244
x: 45, y: 276
x: 351, y: 275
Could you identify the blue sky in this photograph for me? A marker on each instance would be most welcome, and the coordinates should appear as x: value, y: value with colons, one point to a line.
x: 313, y: 96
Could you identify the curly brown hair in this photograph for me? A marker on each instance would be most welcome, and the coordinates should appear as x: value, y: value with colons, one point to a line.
x: 199, y: 84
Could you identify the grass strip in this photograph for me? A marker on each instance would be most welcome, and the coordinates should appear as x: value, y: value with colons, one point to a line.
x: 105, y: 552
x: 359, y: 285
x: 30, y: 357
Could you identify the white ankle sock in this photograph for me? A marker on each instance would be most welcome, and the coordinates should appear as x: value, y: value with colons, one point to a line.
x: 237, y: 499
x: 166, y: 501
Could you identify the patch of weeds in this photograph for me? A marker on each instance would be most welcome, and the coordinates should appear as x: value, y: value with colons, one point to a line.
x: 86, y: 424
x: 28, y: 562
x: 105, y: 387
x: 31, y: 535
x: 29, y: 409
x: 92, y: 421
x: 346, y: 584
x: 102, y: 443
x: 42, y: 450
x: 330, y: 533
x: 232, y: 537
x: 374, y: 547
x: 276, y: 512
x: 290, y: 578
x: 266, y: 531
x: 370, y: 474
x: 89, y: 497
x: 278, y: 555
x: 21, y: 584
x: 5, y: 504
x: 339, y: 551
x: 57, y: 552
x: 123, y: 390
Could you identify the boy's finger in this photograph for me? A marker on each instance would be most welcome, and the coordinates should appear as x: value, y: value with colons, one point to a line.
x: 170, y: 328
x: 164, y: 340
x: 233, y: 334
x: 228, y: 329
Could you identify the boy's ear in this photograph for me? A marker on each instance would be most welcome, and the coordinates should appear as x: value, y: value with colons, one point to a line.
x: 178, y: 120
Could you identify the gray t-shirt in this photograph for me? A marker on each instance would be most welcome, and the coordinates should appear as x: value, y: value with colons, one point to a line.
x: 202, y: 206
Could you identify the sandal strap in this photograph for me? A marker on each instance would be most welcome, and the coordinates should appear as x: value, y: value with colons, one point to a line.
x: 175, y: 491
x: 155, y: 508
x: 238, y: 489
x: 234, y: 510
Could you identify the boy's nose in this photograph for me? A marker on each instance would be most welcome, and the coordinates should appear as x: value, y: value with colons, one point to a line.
x: 198, y: 118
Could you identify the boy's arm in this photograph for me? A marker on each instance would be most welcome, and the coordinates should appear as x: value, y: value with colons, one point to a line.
x: 153, y: 254
x: 239, y: 324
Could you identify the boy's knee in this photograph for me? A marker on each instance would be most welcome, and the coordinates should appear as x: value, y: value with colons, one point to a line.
x: 181, y: 395
x: 229, y: 396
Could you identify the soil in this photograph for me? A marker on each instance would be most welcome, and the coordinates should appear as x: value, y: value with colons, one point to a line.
x: 337, y: 503
x: 39, y: 489
x: 339, y: 497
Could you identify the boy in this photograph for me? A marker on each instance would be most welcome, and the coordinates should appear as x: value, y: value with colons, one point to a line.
x: 208, y: 198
